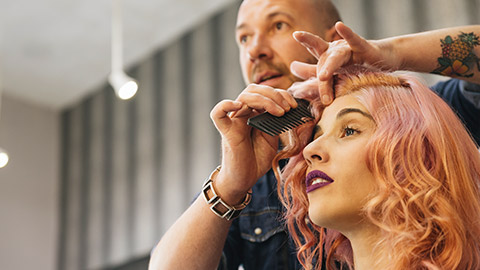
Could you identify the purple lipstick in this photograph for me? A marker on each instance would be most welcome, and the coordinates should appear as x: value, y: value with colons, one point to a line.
x: 317, y: 179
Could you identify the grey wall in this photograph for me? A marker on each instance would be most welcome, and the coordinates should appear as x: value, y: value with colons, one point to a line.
x: 29, y: 193
x: 129, y: 168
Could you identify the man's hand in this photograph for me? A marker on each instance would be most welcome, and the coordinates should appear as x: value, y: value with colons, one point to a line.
x: 331, y: 56
x: 247, y: 153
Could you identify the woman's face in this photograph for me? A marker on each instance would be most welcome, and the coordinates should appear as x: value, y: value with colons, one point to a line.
x: 338, y: 180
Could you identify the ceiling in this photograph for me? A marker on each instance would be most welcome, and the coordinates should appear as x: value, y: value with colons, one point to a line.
x: 54, y: 52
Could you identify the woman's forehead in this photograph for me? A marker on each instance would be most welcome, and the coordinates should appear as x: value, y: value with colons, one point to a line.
x: 346, y: 101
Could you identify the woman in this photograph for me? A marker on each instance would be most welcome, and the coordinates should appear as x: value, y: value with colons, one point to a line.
x: 387, y: 178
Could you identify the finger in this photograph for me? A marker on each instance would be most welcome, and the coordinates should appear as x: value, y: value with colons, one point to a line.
x: 356, y: 42
x: 339, y: 55
x: 305, y: 90
x: 261, y: 103
x: 303, y: 70
x: 242, y: 112
x: 289, y: 98
x: 325, y: 89
x: 265, y: 98
x: 220, y: 113
x: 314, y: 44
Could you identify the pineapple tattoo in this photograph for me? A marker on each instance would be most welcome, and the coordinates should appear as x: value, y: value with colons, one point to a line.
x: 457, y: 55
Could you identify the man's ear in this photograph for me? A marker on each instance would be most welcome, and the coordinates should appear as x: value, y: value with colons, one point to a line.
x: 332, y: 35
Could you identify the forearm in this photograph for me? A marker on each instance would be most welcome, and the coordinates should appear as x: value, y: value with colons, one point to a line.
x: 445, y: 52
x: 195, y: 240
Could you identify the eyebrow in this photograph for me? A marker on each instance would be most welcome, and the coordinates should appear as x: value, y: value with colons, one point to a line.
x: 239, y: 27
x: 353, y: 110
x: 269, y: 16
x: 278, y: 13
x: 341, y: 114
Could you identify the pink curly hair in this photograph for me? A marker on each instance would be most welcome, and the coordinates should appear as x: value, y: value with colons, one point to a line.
x: 427, y: 168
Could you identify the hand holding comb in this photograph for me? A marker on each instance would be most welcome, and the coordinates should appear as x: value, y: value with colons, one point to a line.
x: 274, y: 125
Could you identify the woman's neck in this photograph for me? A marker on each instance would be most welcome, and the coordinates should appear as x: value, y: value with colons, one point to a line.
x: 363, y: 240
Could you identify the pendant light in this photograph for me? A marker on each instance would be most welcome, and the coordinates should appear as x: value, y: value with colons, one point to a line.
x: 124, y: 86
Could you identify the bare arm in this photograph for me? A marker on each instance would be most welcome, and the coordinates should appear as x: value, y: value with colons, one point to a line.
x: 451, y: 52
x: 196, y: 239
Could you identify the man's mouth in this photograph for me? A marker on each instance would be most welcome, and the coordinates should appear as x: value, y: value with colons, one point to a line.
x: 268, y: 76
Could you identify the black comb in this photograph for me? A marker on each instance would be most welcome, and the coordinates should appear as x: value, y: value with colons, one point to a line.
x: 274, y: 125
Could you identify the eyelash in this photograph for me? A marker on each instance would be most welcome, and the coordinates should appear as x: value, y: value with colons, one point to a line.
x: 348, y: 129
x: 344, y: 130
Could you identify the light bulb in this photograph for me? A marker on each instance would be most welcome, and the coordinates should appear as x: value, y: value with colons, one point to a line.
x: 128, y: 90
x: 3, y: 158
x: 125, y: 87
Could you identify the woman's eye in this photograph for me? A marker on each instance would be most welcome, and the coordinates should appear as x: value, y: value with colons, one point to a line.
x: 348, y: 131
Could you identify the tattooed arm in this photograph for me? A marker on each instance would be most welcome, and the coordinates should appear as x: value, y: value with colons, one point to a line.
x: 451, y: 52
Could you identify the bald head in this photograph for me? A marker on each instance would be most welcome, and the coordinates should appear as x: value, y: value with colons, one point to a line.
x: 324, y: 12
x: 264, y: 36
x: 328, y: 13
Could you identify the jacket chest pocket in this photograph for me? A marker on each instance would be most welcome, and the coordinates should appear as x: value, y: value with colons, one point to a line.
x: 259, y: 226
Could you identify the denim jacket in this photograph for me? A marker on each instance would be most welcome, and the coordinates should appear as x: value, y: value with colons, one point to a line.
x: 464, y: 98
x: 258, y: 238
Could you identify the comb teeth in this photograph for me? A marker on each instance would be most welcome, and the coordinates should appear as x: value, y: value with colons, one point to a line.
x: 274, y: 125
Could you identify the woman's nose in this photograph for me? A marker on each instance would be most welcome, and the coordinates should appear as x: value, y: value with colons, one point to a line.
x: 315, y: 152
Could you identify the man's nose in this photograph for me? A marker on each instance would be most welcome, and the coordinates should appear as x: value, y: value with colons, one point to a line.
x: 259, y: 48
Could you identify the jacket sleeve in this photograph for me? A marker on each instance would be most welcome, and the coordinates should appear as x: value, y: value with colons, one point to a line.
x: 464, y: 98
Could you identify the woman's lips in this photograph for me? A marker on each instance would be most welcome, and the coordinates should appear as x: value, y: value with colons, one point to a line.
x: 317, y: 179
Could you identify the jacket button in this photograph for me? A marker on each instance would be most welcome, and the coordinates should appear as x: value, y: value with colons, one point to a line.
x: 258, y: 231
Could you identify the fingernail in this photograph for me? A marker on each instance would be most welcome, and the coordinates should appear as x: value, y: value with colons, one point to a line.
x: 326, y: 99
x: 285, y: 104
x: 298, y: 33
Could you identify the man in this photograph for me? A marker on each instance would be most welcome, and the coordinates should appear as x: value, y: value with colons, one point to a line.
x: 257, y: 239
x: 264, y: 36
